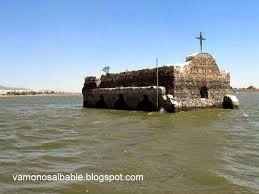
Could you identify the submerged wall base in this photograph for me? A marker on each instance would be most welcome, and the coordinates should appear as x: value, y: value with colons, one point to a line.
x: 146, y: 99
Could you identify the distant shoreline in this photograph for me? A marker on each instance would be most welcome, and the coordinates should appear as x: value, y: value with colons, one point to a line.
x: 246, y: 90
x: 38, y: 95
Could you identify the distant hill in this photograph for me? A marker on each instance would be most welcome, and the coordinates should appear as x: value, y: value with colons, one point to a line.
x: 3, y: 88
x: 248, y: 89
x: 251, y: 88
x: 10, y: 88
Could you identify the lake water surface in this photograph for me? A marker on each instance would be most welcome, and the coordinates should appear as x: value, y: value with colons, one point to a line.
x: 209, y: 151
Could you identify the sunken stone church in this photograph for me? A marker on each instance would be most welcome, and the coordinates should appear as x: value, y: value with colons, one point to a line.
x: 199, y: 83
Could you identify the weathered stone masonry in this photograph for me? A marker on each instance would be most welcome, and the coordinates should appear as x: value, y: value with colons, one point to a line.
x: 144, y: 77
x: 198, y: 83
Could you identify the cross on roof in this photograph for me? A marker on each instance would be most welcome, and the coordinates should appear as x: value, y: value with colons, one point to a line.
x: 201, y: 38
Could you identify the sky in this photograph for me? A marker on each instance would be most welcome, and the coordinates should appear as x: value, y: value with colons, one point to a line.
x: 48, y: 44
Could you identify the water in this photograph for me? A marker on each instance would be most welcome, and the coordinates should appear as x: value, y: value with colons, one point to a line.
x: 207, y: 151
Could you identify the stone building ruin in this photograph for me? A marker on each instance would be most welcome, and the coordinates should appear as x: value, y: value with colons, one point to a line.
x: 198, y: 83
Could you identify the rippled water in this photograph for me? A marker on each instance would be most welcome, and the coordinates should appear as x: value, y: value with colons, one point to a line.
x: 207, y: 151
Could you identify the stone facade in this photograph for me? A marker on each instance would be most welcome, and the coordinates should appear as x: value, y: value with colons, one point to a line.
x: 198, y: 83
x: 144, y: 77
x: 129, y: 98
x: 201, y: 77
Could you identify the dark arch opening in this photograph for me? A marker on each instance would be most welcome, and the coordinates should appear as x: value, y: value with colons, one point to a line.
x: 120, y: 103
x: 101, y: 103
x: 85, y: 103
x: 204, y: 92
x: 227, y: 103
x: 145, y: 104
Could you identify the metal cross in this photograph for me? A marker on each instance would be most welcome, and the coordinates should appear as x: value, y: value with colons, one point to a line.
x: 201, y: 38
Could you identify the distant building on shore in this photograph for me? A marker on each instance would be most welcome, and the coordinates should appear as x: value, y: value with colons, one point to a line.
x: 9, y: 91
x: 248, y: 89
x: 18, y: 92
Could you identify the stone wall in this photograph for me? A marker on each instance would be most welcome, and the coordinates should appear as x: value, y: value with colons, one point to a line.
x: 201, y: 70
x: 197, y: 84
x: 129, y: 98
x: 145, y: 77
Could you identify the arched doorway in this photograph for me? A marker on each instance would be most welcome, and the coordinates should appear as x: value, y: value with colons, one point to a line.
x: 120, y: 103
x: 145, y: 104
x: 101, y: 102
x: 204, y: 92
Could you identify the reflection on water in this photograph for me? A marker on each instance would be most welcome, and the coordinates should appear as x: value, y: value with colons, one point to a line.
x: 206, y: 151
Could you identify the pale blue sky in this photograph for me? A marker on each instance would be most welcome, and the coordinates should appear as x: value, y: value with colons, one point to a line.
x: 55, y: 44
